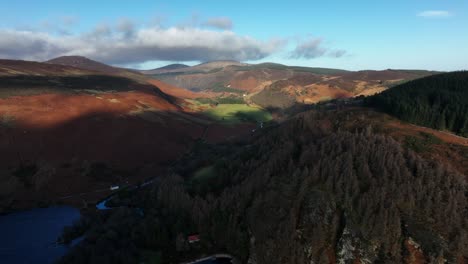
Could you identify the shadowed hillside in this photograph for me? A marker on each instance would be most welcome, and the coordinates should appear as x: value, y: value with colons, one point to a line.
x: 88, y: 64
x: 59, y: 123
x: 318, y: 188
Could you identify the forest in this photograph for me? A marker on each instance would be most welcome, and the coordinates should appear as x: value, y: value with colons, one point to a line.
x: 438, y: 101
x: 309, y: 190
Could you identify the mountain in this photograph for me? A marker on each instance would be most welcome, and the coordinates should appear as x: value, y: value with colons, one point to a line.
x: 28, y: 78
x: 336, y: 184
x: 83, y: 63
x: 205, y: 67
x: 280, y: 86
x: 333, y: 186
x: 19, y: 67
x: 438, y: 101
x: 173, y: 67
x: 66, y: 130
x: 309, y: 88
x: 88, y: 64
x: 167, y: 68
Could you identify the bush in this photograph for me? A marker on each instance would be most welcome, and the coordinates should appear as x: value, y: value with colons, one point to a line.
x: 422, y: 143
x: 25, y: 173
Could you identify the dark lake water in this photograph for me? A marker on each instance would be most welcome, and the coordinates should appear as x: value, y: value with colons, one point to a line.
x: 29, y: 236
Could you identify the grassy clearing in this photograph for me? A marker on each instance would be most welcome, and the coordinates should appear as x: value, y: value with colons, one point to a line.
x: 203, y: 180
x: 219, y: 100
x: 238, y: 113
x: 423, y: 143
x: 204, y: 173
x: 219, y: 88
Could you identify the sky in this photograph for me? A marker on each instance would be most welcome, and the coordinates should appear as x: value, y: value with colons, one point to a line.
x: 352, y: 35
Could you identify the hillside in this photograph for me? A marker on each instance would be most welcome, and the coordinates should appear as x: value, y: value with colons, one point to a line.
x: 439, y: 101
x: 88, y: 64
x: 66, y: 131
x: 83, y: 63
x: 19, y: 67
x: 173, y: 67
x: 32, y: 78
x: 323, y: 187
x: 200, y: 68
x: 165, y: 69
x: 280, y: 86
x: 307, y: 88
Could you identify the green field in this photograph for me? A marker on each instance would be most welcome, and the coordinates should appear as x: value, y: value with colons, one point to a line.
x: 238, y: 113
x: 204, y: 174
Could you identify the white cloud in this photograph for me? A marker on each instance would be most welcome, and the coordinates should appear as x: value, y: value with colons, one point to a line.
x: 435, y: 14
x: 314, y: 48
x: 124, y: 44
x: 309, y: 49
x: 337, y: 53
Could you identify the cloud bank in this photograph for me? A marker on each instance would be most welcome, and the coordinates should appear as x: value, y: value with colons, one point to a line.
x: 125, y: 43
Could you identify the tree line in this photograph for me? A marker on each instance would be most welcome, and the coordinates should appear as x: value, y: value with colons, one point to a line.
x: 438, y: 101
x: 305, y: 191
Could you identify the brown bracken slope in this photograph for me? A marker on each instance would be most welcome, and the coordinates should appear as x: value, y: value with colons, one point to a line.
x: 276, y: 85
x: 65, y: 131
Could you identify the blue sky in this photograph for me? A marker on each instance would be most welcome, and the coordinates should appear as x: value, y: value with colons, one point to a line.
x: 355, y: 35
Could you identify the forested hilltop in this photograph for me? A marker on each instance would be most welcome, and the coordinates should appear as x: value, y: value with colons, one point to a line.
x: 438, y: 101
x: 311, y: 190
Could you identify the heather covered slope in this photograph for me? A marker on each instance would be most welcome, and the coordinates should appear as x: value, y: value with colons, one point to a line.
x: 20, y: 78
x: 439, y: 101
x: 86, y: 64
x: 166, y: 68
x: 83, y: 63
x: 281, y: 86
x: 91, y: 65
x: 306, y: 88
x: 205, y: 67
x: 318, y: 188
x: 66, y: 131
x: 20, y: 67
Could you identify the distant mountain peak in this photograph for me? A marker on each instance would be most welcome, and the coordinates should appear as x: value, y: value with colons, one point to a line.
x: 174, y: 66
x: 72, y: 59
x: 83, y: 63
x: 221, y: 61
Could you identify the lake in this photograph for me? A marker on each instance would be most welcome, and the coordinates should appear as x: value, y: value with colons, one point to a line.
x: 30, y: 236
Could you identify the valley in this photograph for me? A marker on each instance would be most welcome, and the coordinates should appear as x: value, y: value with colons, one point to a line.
x: 233, y: 132
x: 266, y: 163
x: 131, y: 128
x: 280, y: 86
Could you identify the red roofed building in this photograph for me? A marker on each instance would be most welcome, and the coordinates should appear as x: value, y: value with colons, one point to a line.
x: 193, y: 239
